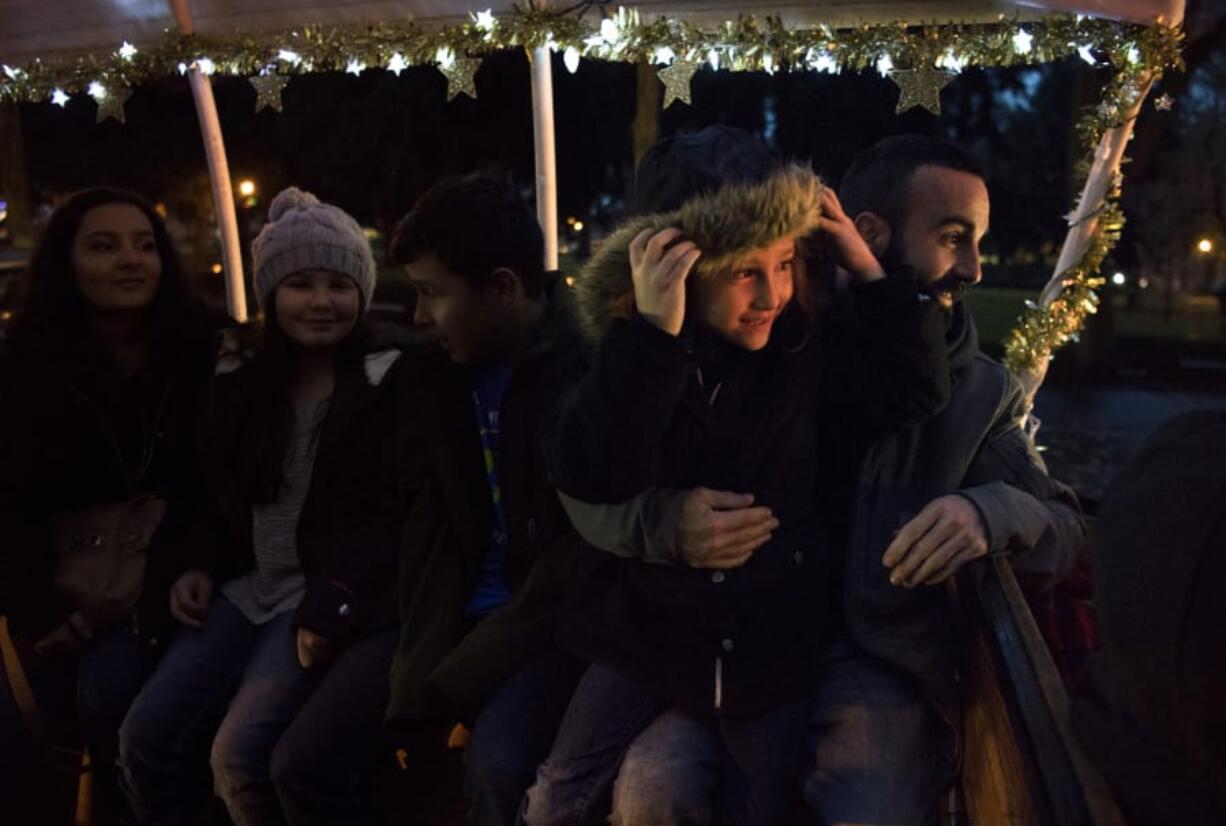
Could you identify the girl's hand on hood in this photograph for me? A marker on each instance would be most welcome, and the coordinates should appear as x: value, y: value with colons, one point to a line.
x: 659, y: 265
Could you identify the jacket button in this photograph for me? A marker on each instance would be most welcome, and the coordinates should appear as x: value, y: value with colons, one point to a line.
x: 727, y: 644
x: 717, y: 577
x: 344, y: 609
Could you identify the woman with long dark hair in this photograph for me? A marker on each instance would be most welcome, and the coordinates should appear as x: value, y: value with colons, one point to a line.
x: 286, y: 598
x: 100, y: 381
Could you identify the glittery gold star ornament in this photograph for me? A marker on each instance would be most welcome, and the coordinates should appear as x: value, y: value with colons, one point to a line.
x: 268, y: 89
x: 676, y: 79
x: 460, y: 76
x: 110, y: 104
x: 1164, y: 103
x: 920, y: 87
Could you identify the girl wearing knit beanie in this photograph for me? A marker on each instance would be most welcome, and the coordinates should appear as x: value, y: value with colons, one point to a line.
x: 285, y: 596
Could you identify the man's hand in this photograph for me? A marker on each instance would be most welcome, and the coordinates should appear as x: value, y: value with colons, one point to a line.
x: 313, y: 649
x: 659, y: 273
x: 718, y: 529
x: 851, y: 251
x: 933, y: 546
x: 190, y: 597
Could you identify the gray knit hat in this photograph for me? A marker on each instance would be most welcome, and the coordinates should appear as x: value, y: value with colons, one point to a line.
x: 303, y: 234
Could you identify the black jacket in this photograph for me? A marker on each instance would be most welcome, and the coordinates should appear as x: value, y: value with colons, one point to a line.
x: 444, y: 666
x: 1153, y: 719
x: 660, y: 412
x: 351, y: 519
x: 75, y: 433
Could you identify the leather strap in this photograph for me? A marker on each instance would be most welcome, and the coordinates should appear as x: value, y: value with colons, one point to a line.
x: 19, y: 684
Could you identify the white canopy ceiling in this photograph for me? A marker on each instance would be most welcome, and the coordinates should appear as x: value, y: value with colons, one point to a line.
x: 47, y: 28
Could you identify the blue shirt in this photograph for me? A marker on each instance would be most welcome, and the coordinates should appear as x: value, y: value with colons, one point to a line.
x: 492, y: 591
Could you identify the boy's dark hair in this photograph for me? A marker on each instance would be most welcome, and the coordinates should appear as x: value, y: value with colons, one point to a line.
x: 880, y: 176
x: 475, y: 224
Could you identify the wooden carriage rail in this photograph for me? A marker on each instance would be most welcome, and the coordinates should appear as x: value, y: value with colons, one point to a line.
x: 1018, y: 729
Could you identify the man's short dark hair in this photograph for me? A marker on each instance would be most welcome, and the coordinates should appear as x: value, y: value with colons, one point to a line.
x: 474, y: 224
x: 879, y: 176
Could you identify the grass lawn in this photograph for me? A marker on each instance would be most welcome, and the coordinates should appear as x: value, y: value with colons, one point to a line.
x: 1196, y: 318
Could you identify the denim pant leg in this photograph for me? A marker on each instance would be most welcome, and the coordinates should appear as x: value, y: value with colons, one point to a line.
x: 513, y: 733
x: 271, y: 692
x: 606, y: 713
x: 112, y: 671
x: 669, y: 774
x: 325, y: 764
x: 873, y: 746
x: 163, y: 742
x: 761, y: 756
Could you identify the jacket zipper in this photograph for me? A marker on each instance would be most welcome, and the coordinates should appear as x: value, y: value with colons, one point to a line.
x: 702, y: 385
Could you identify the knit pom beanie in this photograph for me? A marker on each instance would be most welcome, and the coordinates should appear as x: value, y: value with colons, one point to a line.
x: 304, y: 234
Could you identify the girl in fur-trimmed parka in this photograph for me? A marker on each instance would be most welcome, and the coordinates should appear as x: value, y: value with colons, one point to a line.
x: 286, y: 597
x: 708, y: 373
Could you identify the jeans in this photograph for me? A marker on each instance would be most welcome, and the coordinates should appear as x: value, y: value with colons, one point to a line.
x: 617, y: 734
x: 876, y: 753
x: 871, y: 755
x: 512, y: 735
x: 683, y: 769
x: 113, y: 668
x: 293, y: 746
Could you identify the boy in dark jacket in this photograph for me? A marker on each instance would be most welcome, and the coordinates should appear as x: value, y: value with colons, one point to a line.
x: 477, y: 582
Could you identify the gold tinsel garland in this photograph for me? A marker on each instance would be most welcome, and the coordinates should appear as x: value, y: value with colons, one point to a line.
x: 1136, y: 53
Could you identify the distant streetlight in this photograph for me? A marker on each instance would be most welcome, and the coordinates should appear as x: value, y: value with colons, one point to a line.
x: 246, y: 187
x: 1119, y: 279
x: 1205, y: 245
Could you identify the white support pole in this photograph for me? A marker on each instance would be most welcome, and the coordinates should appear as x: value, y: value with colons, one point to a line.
x: 219, y: 176
x: 546, y: 155
x: 1084, y: 219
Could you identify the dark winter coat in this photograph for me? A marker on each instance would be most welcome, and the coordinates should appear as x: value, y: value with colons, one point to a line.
x: 651, y: 414
x: 349, y: 527
x: 444, y: 666
x: 1153, y: 720
x: 658, y: 411
x: 976, y: 447
x: 75, y: 433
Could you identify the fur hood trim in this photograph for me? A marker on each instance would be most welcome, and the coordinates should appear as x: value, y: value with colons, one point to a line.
x: 726, y: 224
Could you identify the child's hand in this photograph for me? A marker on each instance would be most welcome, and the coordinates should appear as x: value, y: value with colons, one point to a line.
x: 659, y: 273
x: 851, y: 251
x: 313, y: 649
x: 190, y: 597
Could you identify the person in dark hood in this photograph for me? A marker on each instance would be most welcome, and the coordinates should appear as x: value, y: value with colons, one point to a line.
x: 1153, y: 719
x: 912, y: 504
x: 707, y: 373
